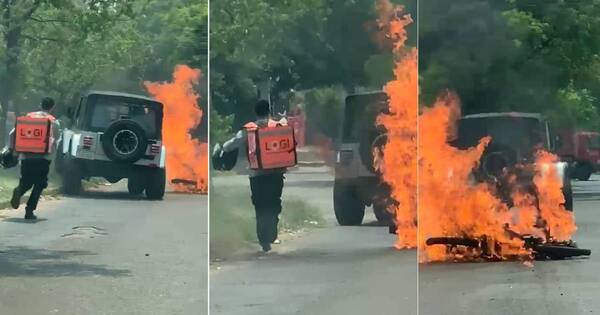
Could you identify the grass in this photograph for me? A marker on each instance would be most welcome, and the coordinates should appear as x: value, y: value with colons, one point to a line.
x: 9, y: 179
x: 93, y: 182
x: 297, y: 215
x: 232, y: 221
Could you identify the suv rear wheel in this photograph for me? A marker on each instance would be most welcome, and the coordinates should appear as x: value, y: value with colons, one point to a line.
x: 349, y: 209
x: 155, y: 187
x: 135, y: 185
x: 583, y: 171
x: 71, y: 178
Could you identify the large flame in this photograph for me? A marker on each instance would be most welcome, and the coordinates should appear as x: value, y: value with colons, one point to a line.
x: 187, y: 158
x: 439, y: 193
x: 449, y: 204
x: 399, y: 166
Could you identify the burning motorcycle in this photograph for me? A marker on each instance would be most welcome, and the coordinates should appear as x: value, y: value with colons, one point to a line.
x: 508, y: 167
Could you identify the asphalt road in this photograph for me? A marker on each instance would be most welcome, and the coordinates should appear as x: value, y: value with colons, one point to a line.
x: 106, y: 253
x: 330, y: 270
x: 550, y: 287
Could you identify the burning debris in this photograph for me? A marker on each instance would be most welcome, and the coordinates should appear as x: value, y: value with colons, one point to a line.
x: 187, y: 158
x: 185, y: 185
x: 484, y: 248
x: 487, y: 198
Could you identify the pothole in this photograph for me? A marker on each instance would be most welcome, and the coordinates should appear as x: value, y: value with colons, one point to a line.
x: 86, y: 231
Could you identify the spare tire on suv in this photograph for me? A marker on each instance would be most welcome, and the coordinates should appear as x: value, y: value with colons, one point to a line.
x: 124, y: 141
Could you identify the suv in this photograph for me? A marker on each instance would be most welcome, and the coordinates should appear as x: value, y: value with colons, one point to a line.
x: 357, y: 184
x: 510, y: 154
x: 114, y: 136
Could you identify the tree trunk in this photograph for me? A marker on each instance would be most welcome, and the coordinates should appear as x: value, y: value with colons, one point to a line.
x: 13, y: 52
x: 13, y: 24
x: 5, y: 92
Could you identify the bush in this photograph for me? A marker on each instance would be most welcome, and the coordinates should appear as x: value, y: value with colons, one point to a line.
x: 574, y: 108
x: 324, y: 108
x: 220, y: 127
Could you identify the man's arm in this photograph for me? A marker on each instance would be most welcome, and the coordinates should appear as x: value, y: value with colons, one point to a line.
x: 237, y: 142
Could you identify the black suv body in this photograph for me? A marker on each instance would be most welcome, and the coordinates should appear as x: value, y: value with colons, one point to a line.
x: 510, y: 155
x: 357, y: 184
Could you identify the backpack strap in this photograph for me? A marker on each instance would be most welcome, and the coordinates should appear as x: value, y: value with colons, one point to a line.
x: 251, y: 126
x: 275, y: 123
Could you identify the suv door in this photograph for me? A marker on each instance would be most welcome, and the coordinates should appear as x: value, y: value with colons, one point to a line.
x: 76, y: 122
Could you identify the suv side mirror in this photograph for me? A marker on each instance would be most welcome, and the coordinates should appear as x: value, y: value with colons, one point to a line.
x: 70, y: 112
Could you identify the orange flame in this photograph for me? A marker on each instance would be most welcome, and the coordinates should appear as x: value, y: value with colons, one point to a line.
x: 187, y: 158
x: 449, y: 203
x: 561, y: 224
x: 399, y: 163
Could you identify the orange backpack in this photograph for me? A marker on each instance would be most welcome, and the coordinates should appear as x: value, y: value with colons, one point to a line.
x: 33, y: 134
x: 271, y: 147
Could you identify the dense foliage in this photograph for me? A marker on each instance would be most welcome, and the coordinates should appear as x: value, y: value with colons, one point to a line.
x: 61, y: 47
x: 520, y: 55
x: 498, y: 55
x: 291, y: 45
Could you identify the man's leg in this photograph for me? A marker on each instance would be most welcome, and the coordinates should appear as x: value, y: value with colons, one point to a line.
x: 25, y: 183
x: 42, y: 168
x: 275, y: 188
x: 260, y: 201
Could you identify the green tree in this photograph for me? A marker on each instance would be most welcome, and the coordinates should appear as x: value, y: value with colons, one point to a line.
x: 523, y: 55
x: 31, y: 25
x: 292, y: 45
x: 220, y: 127
x: 324, y: 107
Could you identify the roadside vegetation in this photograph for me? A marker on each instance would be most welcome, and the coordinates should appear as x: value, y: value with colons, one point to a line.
x: 9, y: 179
x: 514, y: 55
x: 308, y: 53
x: 510, y: 55
x: 62, y: 48
x: 232, y: 223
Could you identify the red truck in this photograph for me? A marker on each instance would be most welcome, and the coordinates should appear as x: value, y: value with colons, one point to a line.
x: 581, y: 149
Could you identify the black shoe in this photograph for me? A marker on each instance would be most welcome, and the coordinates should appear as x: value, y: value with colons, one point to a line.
x: 30, y: 216
x: 15, y: 201
x: 266, y: 247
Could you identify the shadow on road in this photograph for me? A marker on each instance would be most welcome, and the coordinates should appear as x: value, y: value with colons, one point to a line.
x: 343, y: 255
x: 322, y: 255
x: 586, y: 196
x: 30, y: 262
x: 21, y: 220
x: 116, y: 195
x: 594, y: 198
x: 309, y: 183
x: 375, y: 224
